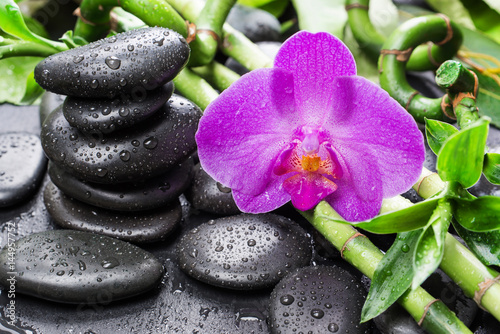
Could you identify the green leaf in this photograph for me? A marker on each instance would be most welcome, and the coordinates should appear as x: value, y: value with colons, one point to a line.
x: 469, y: 145
x: 488, y: 99
x: 454, y: 10
x: 72, y: 41
x: 437, y: 133
x: 17, y: 70
x: 479, y: 215
x: 393, y: 275
x: 12, y: 22
x: 491, y: 167
x: 411, y: 218
x: 430, y: 246
x: 33, y: 90
x: 485, y: 245
x: 316, y: 15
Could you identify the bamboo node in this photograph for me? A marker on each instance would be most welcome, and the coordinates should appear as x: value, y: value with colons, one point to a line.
x: 449, y: 30
x: 426, y: 310
x: 78, y: 13
x: 410, y: 99
x: 211, y: 33
x: 191, y: 29
x: 421, y: 181
x: 429, y: 54
x: 344, y: 247
x: 483, y: 287
x: 445, y: 106
x: 355, y: 5
x: 401, y: 55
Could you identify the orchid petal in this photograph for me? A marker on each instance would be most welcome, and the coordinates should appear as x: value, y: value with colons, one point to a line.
x: 359, y: 191
x: 315, y: 60
x: 308, y: 189
x: 272, y: 198
x: 367, y: 122
x: 242, y: 132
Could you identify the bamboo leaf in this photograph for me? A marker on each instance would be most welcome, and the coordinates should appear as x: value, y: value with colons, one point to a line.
x: 393, y: 275
x: 485, y: 245
x: 430, y: 245
x: 437, y: 133
x: 491, y: 167
x: 479, y: 215
x: 469, y: 145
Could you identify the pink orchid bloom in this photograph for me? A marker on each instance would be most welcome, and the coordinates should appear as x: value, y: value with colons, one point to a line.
x: 310, y: 129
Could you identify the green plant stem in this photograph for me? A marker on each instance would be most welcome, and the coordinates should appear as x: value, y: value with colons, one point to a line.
x: 195, y: 88
x: 210, y: 19
x: 18, y: 48
x: 234, y: 43
x: 217, y: 75
x: 392, y: 64
x: 365, y: 256
x: 428, y: 184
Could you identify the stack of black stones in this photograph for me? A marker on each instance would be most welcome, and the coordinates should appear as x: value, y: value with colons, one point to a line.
x: 120, y: 144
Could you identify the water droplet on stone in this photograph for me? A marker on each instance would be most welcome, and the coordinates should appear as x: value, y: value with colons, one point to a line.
x: 94, y: 84
x: 125, y: 155
x: 101, y: 172
x: 150, y: 143
x: 317, y: 313
x: 110, y: 263
x: 286, y: 299
x: 130, y: 47
x: 78, y: 59
x: 223, y: 189
x: 333, y: 327
x: 251, y: 242
x: 113, y: 62
x: 124, y: 112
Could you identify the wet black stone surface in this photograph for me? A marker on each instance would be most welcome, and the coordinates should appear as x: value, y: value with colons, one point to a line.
x: 108, y: 115
x: 49, y: 102
x: 245, y: 251
x: 22, y: 167
x: 149, y: 149
x: 327, y: 299
x: 138, y: 227
x: 208, y: 195
x: 131, y: 63
x: 78, y: 267
x: 130, y: 196
x: 256, y: 24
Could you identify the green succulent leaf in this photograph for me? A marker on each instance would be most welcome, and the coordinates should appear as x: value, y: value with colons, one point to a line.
x: 18, y: 69
x: 461, y: 156
x: 479, y: 215
x: 485, y: 245
x: 393, y: 275
x: 430, y: 246
x: 411, y: 218
x: 437, y: 133
x: 491, y: 167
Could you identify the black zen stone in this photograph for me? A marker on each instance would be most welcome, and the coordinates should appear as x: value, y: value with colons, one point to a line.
x: 49, y: 102
x: 138, y: 227
x: 148, y: 149
x: 130, y: 196
x: 327, y: 299
x: 22, y: 167
x: 79, y: 267
x: 108, y: 115
x: 256, y: 24
x: 208, y: 195
x: 244, y: 252
x: 130, y: 62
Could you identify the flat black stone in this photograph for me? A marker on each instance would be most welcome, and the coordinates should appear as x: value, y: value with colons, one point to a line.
x: 108, y: 115
x: 208, y: 195
x: 49, y: 102
x: 148, y: 149
x: 326, y: 298
x: 256, y: 24
x: 244, y: 252
x: 131, y: 62
x: 130, y: 196
x: 78, y: 267
x: 137, y: 227
x: 22, y: 167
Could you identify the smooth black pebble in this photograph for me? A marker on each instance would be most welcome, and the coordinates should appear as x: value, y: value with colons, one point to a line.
x: 130, y: 196
x: 79, y: 267
x: 209, y: 195
x: 108, y: 115
x: 148, y: 149
x: 138, y: 227
x: 256, y: 24
x: 244, y: 252
x: 22, y: 167
x: 327, y: 299
x: 131, y: 62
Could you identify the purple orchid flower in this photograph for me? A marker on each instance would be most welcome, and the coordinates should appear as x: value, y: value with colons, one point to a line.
x: 310, y: 129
